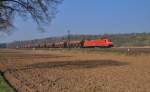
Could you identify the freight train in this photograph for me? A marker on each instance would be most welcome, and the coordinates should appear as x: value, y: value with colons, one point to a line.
x: 98, y: 43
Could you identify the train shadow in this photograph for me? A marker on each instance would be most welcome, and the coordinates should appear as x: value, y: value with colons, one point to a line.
x: 74, y: 64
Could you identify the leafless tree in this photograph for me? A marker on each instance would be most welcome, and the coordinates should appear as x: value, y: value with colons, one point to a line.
x: 41, y: 11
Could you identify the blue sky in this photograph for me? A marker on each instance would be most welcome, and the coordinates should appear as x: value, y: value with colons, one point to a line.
x: 89, y: 17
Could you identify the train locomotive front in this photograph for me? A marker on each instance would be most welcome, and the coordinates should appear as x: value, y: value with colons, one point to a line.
x: 100, y: 43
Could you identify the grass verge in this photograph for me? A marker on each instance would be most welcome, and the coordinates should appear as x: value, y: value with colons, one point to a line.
x: 4, y: 87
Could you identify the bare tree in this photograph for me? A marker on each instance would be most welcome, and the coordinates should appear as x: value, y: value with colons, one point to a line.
x: 41, y: 11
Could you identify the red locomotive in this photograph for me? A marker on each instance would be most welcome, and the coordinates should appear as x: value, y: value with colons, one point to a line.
x: 97, y: 43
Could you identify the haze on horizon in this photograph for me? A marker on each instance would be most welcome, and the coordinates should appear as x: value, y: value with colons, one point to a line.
x: 89, y: 17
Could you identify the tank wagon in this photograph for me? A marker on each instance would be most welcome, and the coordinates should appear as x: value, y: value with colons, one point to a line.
x: 100, y: 43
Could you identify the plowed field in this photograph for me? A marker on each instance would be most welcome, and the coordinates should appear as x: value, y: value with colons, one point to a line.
x: 75, y: 71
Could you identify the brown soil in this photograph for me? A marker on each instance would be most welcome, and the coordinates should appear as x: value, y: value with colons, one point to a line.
x: 75, y: 71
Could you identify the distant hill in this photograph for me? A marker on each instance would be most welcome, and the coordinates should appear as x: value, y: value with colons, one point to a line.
x: 133, y: 39
x: 130, y: 39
